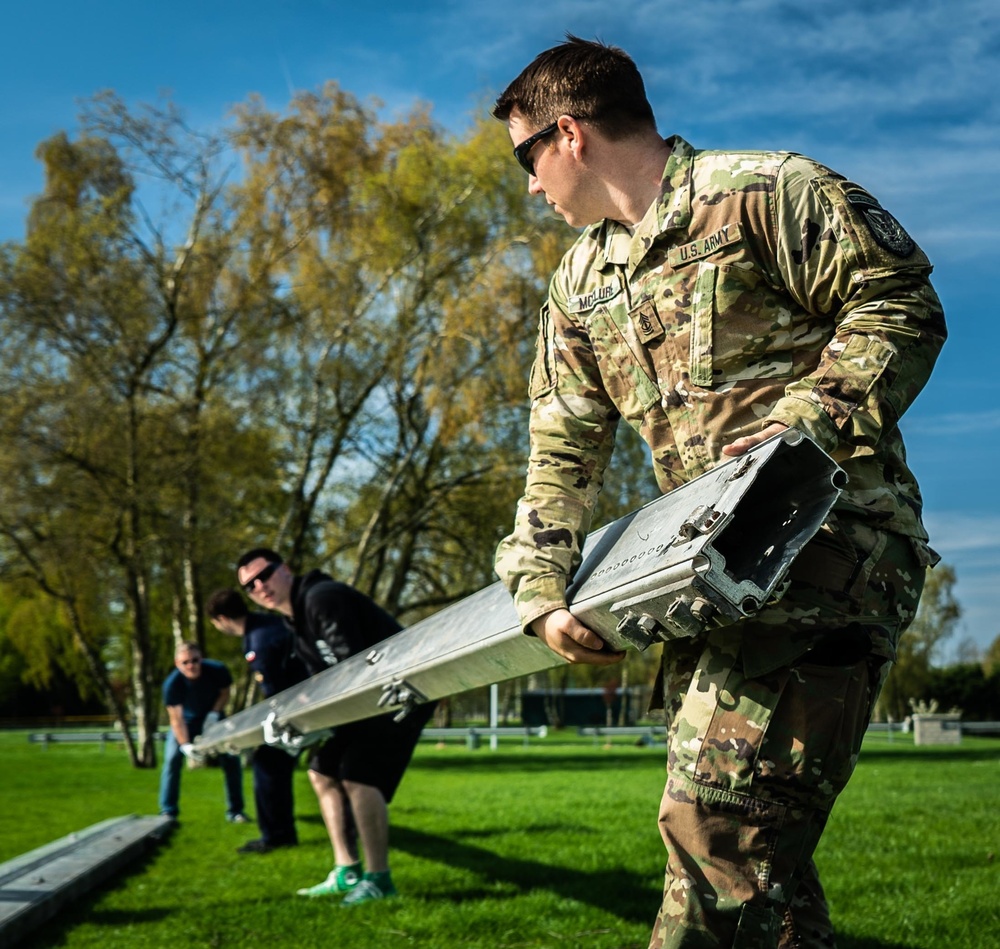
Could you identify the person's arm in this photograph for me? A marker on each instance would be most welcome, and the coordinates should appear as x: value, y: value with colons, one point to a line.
x: 175, y: 716
x: 222, y: 701
x: 572, y: 431
x: 332, y: 617
x: 218, y: 709
x: 838, y: 252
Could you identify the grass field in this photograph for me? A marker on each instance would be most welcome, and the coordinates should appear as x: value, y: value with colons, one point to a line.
x: 554, y: 845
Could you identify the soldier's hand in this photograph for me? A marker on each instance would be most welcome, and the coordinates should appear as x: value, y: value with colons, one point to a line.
x: 566, y: 636
x: 742, y: 445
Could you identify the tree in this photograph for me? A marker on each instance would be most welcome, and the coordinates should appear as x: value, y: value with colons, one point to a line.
x: 991, y: 659
x: 107, y: 398
x: 967, y: 687
x: 410, y: 282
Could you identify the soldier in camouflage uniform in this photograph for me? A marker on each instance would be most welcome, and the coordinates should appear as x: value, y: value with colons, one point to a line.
x: 712, y: 300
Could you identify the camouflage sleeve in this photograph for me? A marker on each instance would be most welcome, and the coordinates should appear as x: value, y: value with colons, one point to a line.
x: 840, y: 254
x: 572, y: 432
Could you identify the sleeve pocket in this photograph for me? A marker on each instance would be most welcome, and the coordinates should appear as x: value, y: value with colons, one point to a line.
x: 542, y: 378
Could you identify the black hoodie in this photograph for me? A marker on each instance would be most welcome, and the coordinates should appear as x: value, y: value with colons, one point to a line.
x: 332, y: 621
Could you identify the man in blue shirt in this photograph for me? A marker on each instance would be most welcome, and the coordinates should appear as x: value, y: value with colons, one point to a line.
x: 267, y: 646
x: 195, y: 695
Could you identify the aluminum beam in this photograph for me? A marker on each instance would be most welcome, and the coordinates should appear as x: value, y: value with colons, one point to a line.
x: 707, y: 554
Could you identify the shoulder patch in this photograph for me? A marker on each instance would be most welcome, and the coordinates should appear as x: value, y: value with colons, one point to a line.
x: 886, y: 230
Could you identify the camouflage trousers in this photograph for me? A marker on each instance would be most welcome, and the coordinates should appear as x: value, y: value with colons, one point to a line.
x: 765, y: 720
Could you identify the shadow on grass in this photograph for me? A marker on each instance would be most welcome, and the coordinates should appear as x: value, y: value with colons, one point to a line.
x: 495, y: 762
x: 928, y: 755
x: 621, y: 893
x: 845, y: 941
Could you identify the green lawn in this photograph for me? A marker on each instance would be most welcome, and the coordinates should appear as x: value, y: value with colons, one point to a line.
x: 554, y: 845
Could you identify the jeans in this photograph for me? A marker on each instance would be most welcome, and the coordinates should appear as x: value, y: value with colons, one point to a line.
x: 170, y: 778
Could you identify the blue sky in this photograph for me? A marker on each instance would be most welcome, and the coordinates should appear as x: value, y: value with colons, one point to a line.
x: 899, y: 96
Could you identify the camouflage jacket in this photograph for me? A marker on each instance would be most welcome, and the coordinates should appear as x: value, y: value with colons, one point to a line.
x: 759, y: 288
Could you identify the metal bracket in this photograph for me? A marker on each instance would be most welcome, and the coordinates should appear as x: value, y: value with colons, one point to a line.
x: 685, y: 615
x: 402, y: 693
x: 691, y: 615
x: 703, y: 518
x: 640, y: 629
x: 746, y: 463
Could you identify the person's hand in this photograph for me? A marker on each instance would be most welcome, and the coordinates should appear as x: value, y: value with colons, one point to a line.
x: 566, y: 636
x: 272, y: 734
x: 193, y: 755
x: 212, y: 717
x: 287, y: 738
x: 742, y: 445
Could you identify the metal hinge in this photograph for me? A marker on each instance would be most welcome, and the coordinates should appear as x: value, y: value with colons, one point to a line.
x: 703, y: 518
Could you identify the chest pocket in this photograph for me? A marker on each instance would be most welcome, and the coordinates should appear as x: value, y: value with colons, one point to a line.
x: 629, y: 382
x: 739, y: 327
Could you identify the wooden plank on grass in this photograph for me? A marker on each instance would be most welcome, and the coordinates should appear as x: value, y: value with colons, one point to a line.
x: 36, y: 885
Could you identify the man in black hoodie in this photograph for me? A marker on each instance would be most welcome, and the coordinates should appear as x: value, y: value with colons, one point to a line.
x: 356, y: 772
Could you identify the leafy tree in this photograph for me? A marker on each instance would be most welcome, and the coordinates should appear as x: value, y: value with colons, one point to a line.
x: 967, y: 687
x: 411, y: 289
x: 991, y: 659
x: 108, y: 399
x: 175, y: 384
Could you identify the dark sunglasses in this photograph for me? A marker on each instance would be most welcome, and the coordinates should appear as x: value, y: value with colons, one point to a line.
x: 261, y: 577
x: 521, y: 151
x: 190, y: 662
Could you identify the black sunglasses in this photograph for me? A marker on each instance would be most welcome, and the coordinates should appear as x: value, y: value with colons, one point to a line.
x: 262, y: 577
x: 521, y: 151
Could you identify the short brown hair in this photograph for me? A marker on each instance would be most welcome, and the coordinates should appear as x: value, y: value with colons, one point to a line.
x: 226, y: 603
x: 586, y: 79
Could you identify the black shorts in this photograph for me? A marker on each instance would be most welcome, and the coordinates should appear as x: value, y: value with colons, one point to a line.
x: 374, y: 751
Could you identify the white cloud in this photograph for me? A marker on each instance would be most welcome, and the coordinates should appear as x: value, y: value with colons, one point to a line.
x: 954, y: 425
x: 965, y: 532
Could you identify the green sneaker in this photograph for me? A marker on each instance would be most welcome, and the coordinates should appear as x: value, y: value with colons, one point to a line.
x: 376, y: 887
x: 340, y: 880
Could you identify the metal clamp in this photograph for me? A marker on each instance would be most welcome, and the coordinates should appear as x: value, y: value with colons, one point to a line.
x: 639, y: 629
x: 691, y: 615
x: 400, y: 692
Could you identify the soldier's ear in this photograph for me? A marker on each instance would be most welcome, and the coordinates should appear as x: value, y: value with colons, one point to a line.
x: 572, y: 131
